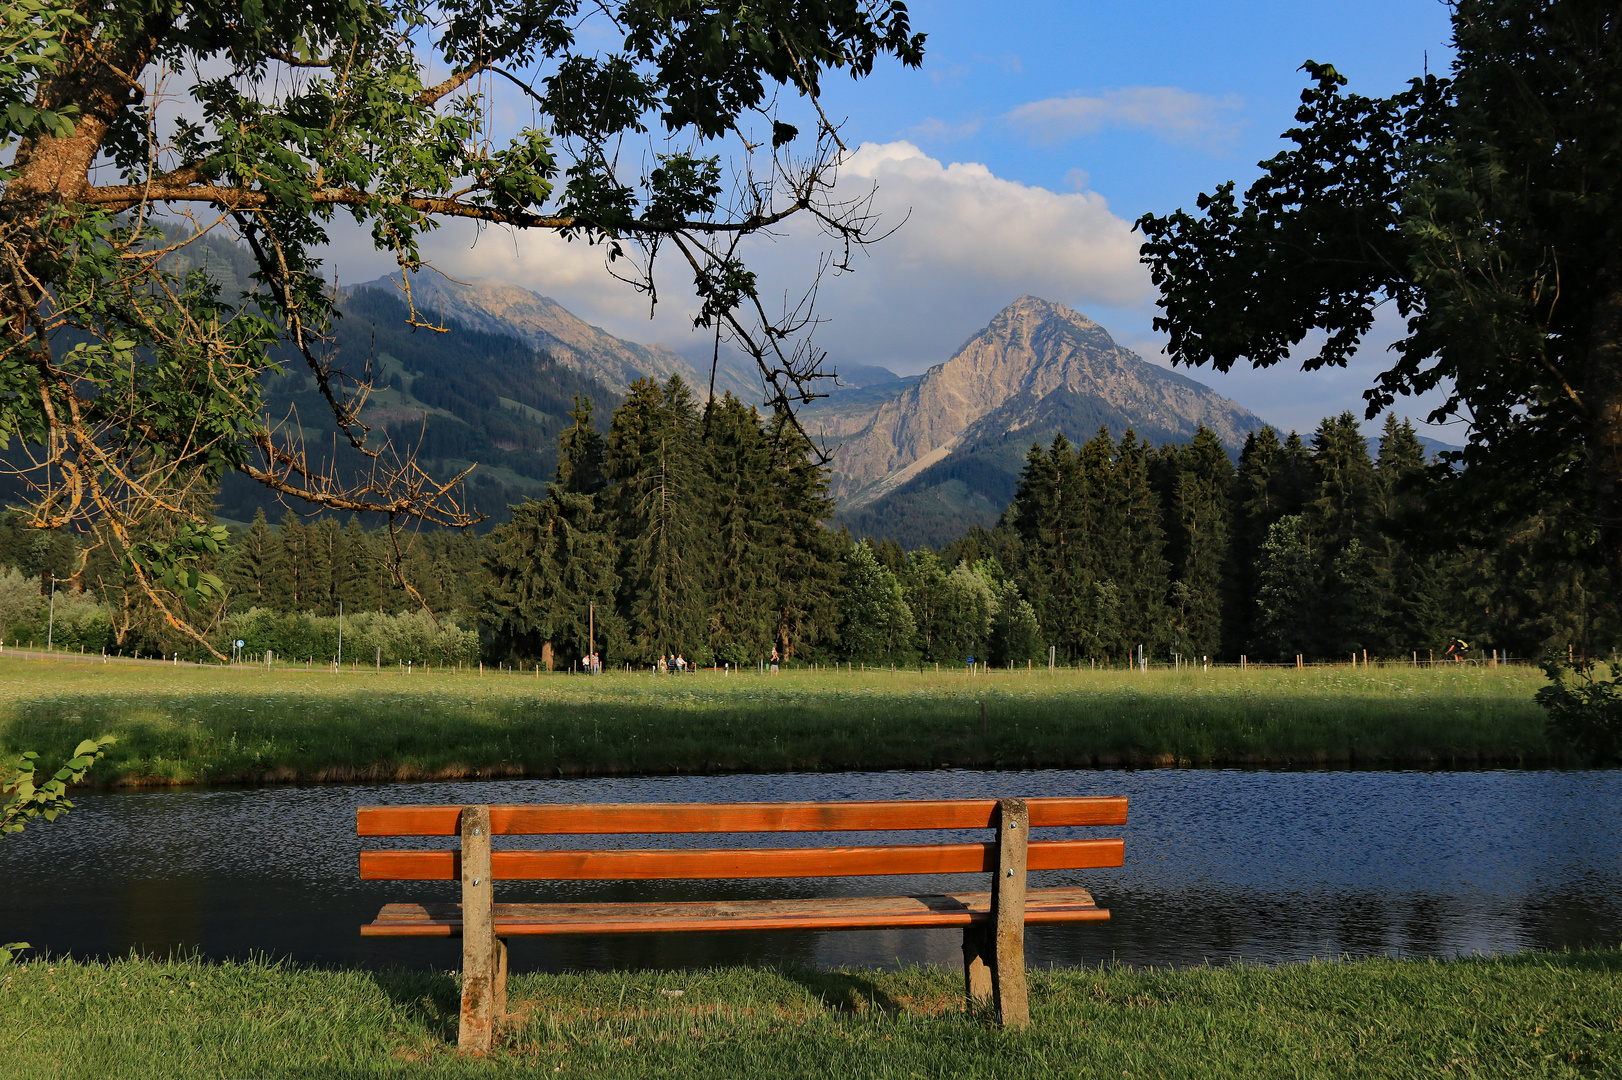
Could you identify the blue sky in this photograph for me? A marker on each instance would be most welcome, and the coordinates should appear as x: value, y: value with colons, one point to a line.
x: 1018, y: 157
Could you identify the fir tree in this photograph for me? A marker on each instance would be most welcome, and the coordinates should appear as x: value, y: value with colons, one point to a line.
x: 580, y: 453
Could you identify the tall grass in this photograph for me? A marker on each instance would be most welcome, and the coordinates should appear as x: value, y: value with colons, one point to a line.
x: 1533, y: 1015
x: 188, y: 724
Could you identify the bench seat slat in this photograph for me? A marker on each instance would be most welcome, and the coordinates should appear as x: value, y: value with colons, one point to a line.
x: 731, y: 863
x: 584, y: 818
x: 933, y: 910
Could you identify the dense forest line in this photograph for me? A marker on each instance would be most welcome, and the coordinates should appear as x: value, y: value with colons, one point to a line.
x: 703, y: 532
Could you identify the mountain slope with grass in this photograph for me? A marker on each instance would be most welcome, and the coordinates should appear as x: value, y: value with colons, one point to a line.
x: 545, y: 325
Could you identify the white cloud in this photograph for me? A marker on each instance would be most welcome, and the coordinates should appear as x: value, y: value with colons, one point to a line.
x: 967, y: 243
x: 1171, y: 113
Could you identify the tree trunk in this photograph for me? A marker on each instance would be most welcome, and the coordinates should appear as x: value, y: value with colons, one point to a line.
x: 1603, y: 397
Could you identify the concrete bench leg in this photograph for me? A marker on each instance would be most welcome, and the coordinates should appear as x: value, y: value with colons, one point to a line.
x: 1007, y: 927
x: 977, y: 964
x: 484, y: 956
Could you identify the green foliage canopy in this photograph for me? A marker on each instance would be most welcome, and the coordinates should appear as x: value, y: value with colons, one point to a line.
x: 135, y: 383
x: 1486, y: 207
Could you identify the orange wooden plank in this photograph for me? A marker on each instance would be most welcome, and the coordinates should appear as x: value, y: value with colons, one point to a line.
x: 724, y: 863
x: 858, y: 913
x: 582, y: 818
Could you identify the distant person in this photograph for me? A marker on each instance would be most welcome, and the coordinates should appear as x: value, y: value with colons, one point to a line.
x: 1456, y: 650
x: 662, y: 666
x: 774, y: 660
x: 681, y: 664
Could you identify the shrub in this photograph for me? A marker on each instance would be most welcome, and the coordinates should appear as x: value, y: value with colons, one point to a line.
x: 1583, y: 710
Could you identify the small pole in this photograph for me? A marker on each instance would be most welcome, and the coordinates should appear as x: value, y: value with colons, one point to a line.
x: 380, y: 658
x: 340, y: 631
x: 50, y: 626
x: 591, y: 631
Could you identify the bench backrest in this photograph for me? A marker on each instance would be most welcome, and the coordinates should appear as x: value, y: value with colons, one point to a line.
x: 716, y: 863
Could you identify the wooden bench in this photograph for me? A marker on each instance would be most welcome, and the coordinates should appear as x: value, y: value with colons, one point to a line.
x: 993, y: 922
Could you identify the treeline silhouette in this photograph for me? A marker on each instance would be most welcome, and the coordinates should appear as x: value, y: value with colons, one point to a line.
x: 702, y: 531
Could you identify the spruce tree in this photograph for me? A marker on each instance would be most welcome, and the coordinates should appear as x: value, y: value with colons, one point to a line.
x: 253, y: 564
x: 580, y: 453
x: 1406, y: 566
x: 324, y: 540
x: 806, y: 559
x: 290, y: 582
x: 1341, y: 510
x: 1136, y: 545
x: 1340, y: 517
x: 746, y: 529
x: 357, y: 574
x: 661, y: 505
x: 1051, y: 515
x: 552, y: 591
x: 1201, y: 503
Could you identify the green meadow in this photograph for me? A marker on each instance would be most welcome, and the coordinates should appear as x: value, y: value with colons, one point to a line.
x: 189, y: 724
x: 1528, y: 1015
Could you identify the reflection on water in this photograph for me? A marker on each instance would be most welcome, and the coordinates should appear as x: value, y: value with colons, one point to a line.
x: 1220, y: 865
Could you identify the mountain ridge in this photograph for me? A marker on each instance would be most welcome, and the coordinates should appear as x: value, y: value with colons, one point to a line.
x: 997, y: 382
x: 547, y: 326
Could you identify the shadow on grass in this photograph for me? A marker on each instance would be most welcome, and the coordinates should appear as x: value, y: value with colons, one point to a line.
x: 843, y: 991
x: 431, y: 998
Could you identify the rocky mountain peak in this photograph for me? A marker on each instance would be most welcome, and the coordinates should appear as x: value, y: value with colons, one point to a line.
x: 1029, y: 352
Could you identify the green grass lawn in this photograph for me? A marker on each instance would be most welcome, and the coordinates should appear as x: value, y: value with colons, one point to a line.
x: 1532, y: 1015
x: 202, y: 724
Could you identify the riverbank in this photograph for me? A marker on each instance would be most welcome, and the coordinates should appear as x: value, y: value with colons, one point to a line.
x: 185, y: 724
x: 1536, y: 1014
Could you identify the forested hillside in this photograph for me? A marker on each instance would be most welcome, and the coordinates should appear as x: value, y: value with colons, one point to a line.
x: 453, y: 398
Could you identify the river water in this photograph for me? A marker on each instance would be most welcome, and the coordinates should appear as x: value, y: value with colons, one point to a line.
x: 1221, y: 865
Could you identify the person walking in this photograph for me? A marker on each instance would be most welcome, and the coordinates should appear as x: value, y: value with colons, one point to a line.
x: 774, y: 659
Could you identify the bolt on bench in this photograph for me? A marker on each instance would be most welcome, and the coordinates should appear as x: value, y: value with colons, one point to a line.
x: 993, y: 923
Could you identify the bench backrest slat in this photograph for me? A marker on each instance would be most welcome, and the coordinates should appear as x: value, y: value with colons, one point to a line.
x: 724, y: 863
x: 583, y: 818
